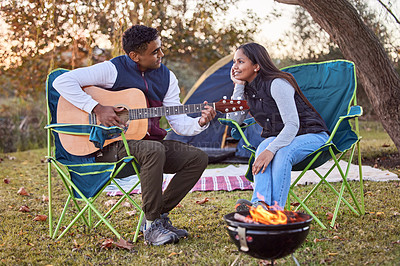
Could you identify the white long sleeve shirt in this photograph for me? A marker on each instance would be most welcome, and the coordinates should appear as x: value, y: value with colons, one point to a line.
x: 283, y: 94
x: 104, y: 75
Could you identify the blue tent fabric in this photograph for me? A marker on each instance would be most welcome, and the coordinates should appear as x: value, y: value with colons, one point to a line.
x: 212, y: 89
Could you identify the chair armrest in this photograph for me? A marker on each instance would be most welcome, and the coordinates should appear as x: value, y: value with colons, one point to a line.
x: 97, y: 134
x: 354, y: 111
x: 237, y: 131
x: 80, y: 129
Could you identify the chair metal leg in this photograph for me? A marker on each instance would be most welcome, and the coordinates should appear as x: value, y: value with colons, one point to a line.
x: 307, y: 209
x: 361, y: 178
x: 60, y: 220
x: 89, y: 204
x: 138, y: 226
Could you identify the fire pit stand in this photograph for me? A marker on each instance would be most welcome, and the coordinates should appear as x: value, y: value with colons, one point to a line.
x: 269, y: 242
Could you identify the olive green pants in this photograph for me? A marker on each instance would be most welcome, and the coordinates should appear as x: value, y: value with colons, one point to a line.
x: 155, y: 158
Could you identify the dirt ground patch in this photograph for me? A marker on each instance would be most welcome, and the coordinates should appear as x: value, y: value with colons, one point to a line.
x: 389, y: 162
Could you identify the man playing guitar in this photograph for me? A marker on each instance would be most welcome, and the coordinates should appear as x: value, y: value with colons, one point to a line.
x: 141, y: 68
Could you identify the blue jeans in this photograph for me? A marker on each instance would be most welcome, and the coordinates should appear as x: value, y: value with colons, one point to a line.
x: 273, y: 185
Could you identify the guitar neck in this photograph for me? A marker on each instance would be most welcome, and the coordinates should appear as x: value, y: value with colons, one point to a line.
x: 143, y: 113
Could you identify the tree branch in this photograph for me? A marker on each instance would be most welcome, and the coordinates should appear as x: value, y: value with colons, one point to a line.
x: 288, y: 2
x: 389, y: 10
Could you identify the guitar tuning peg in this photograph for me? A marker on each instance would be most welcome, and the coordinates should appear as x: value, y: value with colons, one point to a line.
x: 224, y: 97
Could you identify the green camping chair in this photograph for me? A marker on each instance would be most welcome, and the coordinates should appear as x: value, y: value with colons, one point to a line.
x: 83, y: 178
x: 331, y: 88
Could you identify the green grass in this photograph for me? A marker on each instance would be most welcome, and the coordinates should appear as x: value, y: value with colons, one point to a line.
x: 373, y: 238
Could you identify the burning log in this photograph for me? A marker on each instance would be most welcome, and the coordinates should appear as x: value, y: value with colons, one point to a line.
x: 244, y: 219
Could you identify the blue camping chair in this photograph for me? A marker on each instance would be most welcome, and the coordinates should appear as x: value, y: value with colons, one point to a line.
x: 331, y: 88
x: 83, y: 178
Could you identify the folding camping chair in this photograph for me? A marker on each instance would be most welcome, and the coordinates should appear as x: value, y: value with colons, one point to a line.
x: 331, y: 88
x: 83, y: 178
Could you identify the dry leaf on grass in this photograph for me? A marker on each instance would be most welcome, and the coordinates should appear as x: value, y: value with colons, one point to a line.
x: 127, y: 204
x: 40, y: 217
x: 24, y: 208
x: 123, y: 244
x: 131, y: 213
x: 45, y: 198
x: 110, y: 203
x: 6, y: 180
x: 107, y: 243
x: 110, y: 243
x: 23, y: 192
x: 76, y: 246
x: 329, y: 216
x: 202, y: 201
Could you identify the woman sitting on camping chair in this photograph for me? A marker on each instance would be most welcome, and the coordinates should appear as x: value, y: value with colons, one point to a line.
x: 292, y: 128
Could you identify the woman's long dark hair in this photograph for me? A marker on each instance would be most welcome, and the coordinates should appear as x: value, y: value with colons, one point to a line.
x: 259, y: 55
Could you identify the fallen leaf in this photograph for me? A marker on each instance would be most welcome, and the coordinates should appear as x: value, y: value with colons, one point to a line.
x: 333, y: 254
x: 6, y: 180
x: 45, y: 198
x: 336, y: 227
x: 76, y: 246
x: 23, y: 192
x: 202, y: 201
x: 386, y: 145
x: 107, y: 243
x: 329, y: 216
x: 172, y: 254
x: 124, y: 244
x: 40, y: 217
x: 295, y: 204
x: 320, y: 240
x: 24, y: 208
x: 127, y: 204
x: 131, y: 213
x: 110, y: 203
x: 30, y: 244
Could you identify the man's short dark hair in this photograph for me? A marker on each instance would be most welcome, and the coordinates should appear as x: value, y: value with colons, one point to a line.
x: 137, y: 37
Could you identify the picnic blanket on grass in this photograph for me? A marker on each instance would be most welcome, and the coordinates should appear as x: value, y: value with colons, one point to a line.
x: 232, y: 178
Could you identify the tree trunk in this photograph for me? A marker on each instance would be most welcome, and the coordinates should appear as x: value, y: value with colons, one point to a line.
x: 359, y: 44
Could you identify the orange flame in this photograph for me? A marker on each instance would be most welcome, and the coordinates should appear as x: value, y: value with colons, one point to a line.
x: 261, y: 215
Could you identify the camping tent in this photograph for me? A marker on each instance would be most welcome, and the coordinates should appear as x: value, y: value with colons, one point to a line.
x: 212, y: 86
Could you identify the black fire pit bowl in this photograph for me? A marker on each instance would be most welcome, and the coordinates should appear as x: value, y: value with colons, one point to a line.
x: 268, y: 241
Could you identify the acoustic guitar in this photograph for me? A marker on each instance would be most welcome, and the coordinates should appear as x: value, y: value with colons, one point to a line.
x: 135, y: 114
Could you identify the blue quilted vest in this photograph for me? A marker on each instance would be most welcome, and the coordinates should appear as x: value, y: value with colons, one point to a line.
x: 154, y: 83
x: 265, y: 111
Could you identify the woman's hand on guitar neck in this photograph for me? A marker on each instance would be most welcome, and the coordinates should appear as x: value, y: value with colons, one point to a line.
x: 107, y: 115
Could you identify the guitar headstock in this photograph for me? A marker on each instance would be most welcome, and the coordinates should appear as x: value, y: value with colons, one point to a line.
x: 227, y: 106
